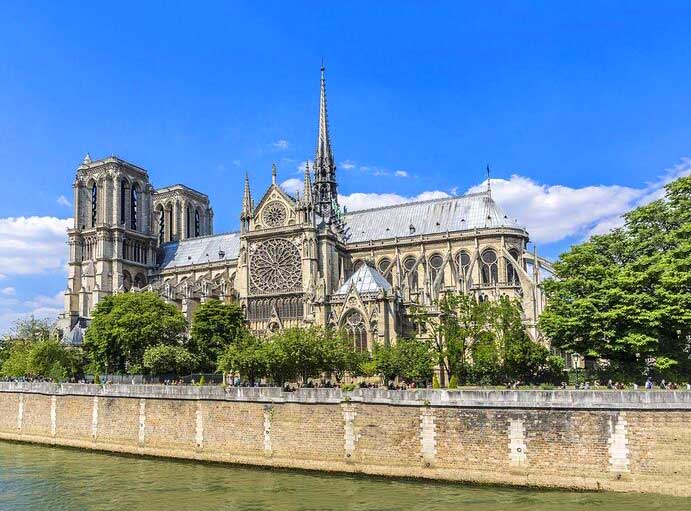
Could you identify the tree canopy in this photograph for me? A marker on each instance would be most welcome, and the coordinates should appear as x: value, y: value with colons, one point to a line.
x: 626, y: 296
x: 125, y: 325
x: 215, y: 325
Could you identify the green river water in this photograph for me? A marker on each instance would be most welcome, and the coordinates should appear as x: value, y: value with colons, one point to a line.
x: 35, y: 477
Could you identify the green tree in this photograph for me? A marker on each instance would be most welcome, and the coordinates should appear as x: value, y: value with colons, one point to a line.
x: 44, y: 358
x: 454, y: 331
x: 301, y: 348
x: 338, y: 356
x: 168, y: 359
x: 415, y: 359
x: 30, y: 329
x: 626, y: 296
x: 247, y: 356
x: 386, y: 361
x: 215, y: 325
x: 125, y: 325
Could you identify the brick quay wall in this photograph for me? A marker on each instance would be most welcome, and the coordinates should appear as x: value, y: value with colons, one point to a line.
x: 636, y: 441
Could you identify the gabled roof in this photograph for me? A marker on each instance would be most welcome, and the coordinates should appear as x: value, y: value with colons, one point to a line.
x: 462, y: 213
x: 200, y: 250
x: 365, y: 280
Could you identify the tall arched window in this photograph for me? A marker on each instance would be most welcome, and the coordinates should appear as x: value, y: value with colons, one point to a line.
x: 188, y: 218
x: 161, y: 225
x: 94, y: 205
x: 490, y: 271
x: 134, y: 200
x: 463, y: 262
x: 411, y: 272
x: 357, y: 265
x: 435, y: 263
x: 123, y: 201
x: 383, y: 266
x: 511, y: 273
x: 197, y: 225
x: 354, y: 325
x: 126, y: 280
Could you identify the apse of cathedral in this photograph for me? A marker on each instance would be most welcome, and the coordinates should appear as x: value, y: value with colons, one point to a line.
x: 296, y: 260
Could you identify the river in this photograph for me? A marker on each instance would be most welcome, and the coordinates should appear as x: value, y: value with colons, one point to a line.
x: 34, y: 477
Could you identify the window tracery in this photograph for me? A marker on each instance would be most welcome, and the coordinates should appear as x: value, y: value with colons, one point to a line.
x: 275, y: 214
x: 356, y: 329
x: 275, y: 266
x: 490, y: 270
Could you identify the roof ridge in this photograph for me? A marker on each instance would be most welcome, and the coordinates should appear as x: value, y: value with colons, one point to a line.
x: 216, y: 235
x: 410, y: 203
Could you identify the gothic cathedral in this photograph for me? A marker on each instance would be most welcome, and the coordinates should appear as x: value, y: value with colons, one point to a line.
x: 296, y: 260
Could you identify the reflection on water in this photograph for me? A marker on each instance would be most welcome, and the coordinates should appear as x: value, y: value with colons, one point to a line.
x: 46, y: 478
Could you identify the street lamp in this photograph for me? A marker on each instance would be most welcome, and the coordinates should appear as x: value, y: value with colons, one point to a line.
x: 576, y: 362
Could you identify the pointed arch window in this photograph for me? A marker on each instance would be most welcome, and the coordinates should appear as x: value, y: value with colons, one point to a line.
x: 354, y: 325
x: 511, y: 272
x: 383, y: 266
x: 463, y: 263
x: 161, y: 225
x: 134, y: 206
x: 436, y: 263
x: 188, y: 217
x: 411, y: 273
x: 197, y: 224
x: 490, y: 270
x: 123, y: 201
x: 94, y: 205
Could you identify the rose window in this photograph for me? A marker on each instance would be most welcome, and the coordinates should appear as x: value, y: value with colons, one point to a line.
x: 275, y: 267
x: 275, y: 214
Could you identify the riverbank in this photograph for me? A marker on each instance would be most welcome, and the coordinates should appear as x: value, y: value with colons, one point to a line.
x: 636, y: 441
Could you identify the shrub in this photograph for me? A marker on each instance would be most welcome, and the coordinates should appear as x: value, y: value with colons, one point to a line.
x: 435, y: 382
x: 202, y: 380
x: 453, y: 383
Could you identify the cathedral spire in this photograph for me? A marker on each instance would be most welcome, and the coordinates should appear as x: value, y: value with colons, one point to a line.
x: 247, y: 197
x: 325, y: 192
x: 273, y: 173
x: 307, y: 193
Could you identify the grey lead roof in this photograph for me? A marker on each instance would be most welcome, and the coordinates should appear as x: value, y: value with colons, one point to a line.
x: 201, y: 250
x: 365, y: 280
x: 451, y: 214
x: 462, y: 213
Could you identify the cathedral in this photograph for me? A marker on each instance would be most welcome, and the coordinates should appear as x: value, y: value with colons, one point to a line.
x: 296, y: 260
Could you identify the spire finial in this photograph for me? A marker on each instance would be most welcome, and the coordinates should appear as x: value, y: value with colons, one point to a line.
x: 273, y: 173
x: 489, y: 182
x: 307, y: 192
x: 87, y: 159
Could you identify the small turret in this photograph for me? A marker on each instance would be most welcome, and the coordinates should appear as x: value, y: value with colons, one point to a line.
x: 247, y: 205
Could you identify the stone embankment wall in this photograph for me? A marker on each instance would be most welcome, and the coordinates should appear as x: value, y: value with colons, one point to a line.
x: 623, y: 441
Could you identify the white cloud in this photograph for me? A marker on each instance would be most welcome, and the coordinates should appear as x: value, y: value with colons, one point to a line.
x: 41, y: 307
x: 550, y: 213
x: 33, y: 245
x: 401, y: 173
x: 347, y: 165
x: 281, y: 144
x: 7, y: 291
x: 300, y: 169
x: 62, y: 200
x: 554, y: 212
x: 292, y: 185
x: 357, y: 200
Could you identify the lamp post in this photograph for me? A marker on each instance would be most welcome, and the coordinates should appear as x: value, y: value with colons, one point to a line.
x: 576, y: 362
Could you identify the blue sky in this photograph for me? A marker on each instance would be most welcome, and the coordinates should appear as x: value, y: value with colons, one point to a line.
x: 581, y: 109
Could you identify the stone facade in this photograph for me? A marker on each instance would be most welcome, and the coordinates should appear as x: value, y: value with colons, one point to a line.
x: 296, y: 260
x: 631, y: 441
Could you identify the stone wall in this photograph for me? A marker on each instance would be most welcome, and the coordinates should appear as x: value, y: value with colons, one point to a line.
x: 622, y: 441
